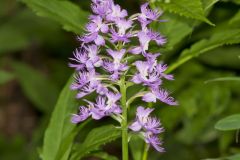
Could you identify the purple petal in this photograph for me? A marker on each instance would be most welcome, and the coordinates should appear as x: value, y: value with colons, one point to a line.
x: 104, y: 28
x: 154, y: 141
x: 149, y: 97
x: 136, y: 50
x: 136, y: 79
x: 135, y: 126
x: 99, y: 41
x: 76, y: 119
x: 97, y: 115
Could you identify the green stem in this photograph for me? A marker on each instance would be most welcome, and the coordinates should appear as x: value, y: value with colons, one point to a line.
x: 145, y: 152
x: 123, y: 90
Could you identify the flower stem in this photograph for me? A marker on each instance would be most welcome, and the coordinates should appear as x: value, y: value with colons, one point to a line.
x: 145, y: 152
x: 123, y: 90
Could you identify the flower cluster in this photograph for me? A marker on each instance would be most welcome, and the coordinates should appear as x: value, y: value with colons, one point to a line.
x: 151, y: 127
x: 102, y: 59
x: 104, y: 106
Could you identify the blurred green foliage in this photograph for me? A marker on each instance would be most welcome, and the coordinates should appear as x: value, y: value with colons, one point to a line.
x: 203, y: 44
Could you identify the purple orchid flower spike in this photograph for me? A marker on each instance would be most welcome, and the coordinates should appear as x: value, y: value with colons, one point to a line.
x: 106, y: 66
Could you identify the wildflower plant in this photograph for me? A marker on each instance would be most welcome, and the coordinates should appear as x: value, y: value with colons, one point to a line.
x: 113, y: 55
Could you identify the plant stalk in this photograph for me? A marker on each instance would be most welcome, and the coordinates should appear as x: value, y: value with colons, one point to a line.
x: 145, y: 152
x: 123, y: 90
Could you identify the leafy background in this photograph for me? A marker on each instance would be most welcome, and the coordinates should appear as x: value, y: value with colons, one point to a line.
x: 38, y: 36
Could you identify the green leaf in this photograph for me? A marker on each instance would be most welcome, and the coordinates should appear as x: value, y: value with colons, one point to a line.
x: 60, y: 126
x: 218, y: 39
x: 11, y: 39
x: 190, y: 9
x: 236, y: 19
x: 96, y: 138
x: 23, y: 28
x: 175, y: 29
x: 5, y: 77
x: 36, y: 86
x: 69, y: 15
x: 104, y: 156
x: 234, y: 157
x: 67, y: 142
x: 136, y: 145
x: 229, y: 123
x: 223, y: 79
x: 207, y: 4
x: 234, y: 1
x: 218, y: 57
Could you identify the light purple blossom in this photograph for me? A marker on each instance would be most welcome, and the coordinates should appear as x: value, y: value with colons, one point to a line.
x: 161, y: 95
x: 84, y: 113
x: 93, y: 37
x: 115, y: 67
x: 155, y: 36
x: 86, y: 58
x: 147, y: 15
x: 154, y: 141
x: 150, y: 126
x: 145, y: 37
x: 161, y: 68
x: 123, y: 25
x: 86, y: 82
x: 153, y: 125
x: 116, y: 13
x: 105, y: 106
x: 94, y: 28
x: 97, y: 25
x: 150, y: 73
x: 144, y: 40
x: 146, y: 75
x: 94, y: 60
x: 116, y: 37
x: 79, y: 60
x: 121, y: 35
x: 101, y: 7
x: 141, y: 118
